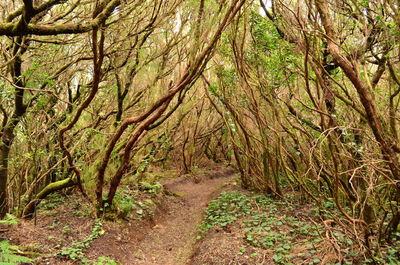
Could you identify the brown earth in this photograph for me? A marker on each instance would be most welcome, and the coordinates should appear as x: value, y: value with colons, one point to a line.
x: 172, y: 240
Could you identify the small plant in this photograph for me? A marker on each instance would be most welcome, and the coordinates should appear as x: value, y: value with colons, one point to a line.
x: 8, y: 255
x: 83, y: 212
x: 10, y: 220
x: 226, y: 209
x: 145, y: 208
x: 105, y: 261
x: 66, y: 229
x: 76, y: 252
x: 80, y: 209
x: 72, y: 253
x: 278, y: 232
x: 51, y: 201
x: 151, y: 188
x: 265, y: 225
x: 53, y: 225
x: 124, y: 202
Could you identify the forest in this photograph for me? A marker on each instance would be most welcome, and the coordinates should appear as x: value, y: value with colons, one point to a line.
x: 199, y: 132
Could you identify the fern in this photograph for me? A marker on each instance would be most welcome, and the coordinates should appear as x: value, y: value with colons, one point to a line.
x: 8, y: 256
x: 10, y: 220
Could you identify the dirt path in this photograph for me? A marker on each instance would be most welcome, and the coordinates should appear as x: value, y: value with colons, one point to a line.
x: 172, y: 239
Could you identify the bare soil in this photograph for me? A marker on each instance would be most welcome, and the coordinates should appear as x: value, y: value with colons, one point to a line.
x: 172, y: 239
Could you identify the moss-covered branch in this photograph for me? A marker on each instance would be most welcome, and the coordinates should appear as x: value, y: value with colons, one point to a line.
x: 52, y: 187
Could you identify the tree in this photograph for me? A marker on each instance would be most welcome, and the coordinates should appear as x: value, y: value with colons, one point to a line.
x: 308, y: 93
x: 127, y: 42
x: 21, y: 23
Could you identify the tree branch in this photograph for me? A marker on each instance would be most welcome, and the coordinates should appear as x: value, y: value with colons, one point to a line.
x: 14, y: 29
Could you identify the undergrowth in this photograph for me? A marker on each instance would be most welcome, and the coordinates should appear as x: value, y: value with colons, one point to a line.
x: 226, y: 209
x: 76, y: 251
x: 132, y: 201
x: 9, y: 253
x: 283, y: 230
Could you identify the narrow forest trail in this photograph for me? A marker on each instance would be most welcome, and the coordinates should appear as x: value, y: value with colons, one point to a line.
x: 171, y: 241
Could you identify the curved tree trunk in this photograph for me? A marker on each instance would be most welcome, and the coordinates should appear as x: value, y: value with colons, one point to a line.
x: 52, y: 187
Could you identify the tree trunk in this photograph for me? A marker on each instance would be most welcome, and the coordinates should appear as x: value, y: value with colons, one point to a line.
x: 7, y: 132
x: 4, y: 154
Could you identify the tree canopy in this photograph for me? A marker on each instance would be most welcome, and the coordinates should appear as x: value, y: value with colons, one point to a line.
x: 296, y: 95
